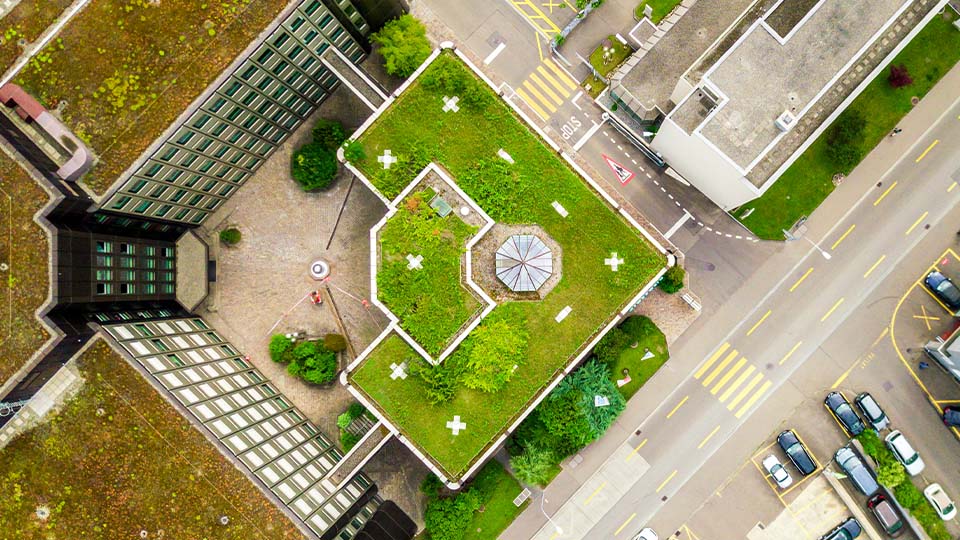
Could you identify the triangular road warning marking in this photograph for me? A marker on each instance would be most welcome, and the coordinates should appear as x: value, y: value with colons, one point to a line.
x: 623, y: 174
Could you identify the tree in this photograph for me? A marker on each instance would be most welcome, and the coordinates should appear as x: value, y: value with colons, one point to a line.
x: 494, y: 350
x: 329, y: 134
x: 593, y: 379
x: 844, y: 139
x: 533, y: 466
x: 403, y: 44
x: 562, y: 415
x: 608, y: 349
x: 899, y: 76
x: 313, y: 166
x: 313, y: 363
x: 448, y: 518
x: 908, y: 496
x: 891, y: 474
x: 230, y: 236
x: 280, y: 348
x: 672, y: 280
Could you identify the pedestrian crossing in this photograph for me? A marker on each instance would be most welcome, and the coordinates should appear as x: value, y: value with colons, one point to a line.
x: 738, y: 382
x: 546, y: 88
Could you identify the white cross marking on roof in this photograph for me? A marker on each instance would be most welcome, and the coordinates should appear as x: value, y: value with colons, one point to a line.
x: 456, y: 426
x: 613, y: 262
x: 387, y: 159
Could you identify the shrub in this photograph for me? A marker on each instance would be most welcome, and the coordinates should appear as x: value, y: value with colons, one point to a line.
x: 329, y: 134
x: 335, y: 342
x: 313, y: 363
x: 356, y: 410
x: 441, y: 380
x: 448, y: 76
x: 348, y: 440
x: 353, y: 151
x: 899, y: 76
x: 431, y: 486
x: 873, y: 446
x: 403, y: 44
x: 344, y: 420
x: 448, y: 518
x: 230, y: 236
x: 608, y: 349
x: 280, y: 348
x: 533, y: 466
x: 672, y: 280
x: 313, y: 166
x: 492, y: 354
x: 909, y: 496
x: 891, y: 474
x: 844, y: 138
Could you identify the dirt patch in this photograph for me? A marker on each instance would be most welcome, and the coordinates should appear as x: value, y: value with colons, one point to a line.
x: 788, y: 14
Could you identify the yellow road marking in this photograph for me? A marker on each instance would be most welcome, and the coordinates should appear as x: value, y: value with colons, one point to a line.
x: 837, y: 243
x: 929, y: 148
x: 884, y: 194
x: 736, y: 384
x: 682, y: 401
x: 874, y: 267
x: 594, y: 494
x: 538, y: 14
x: 536, y: 93
x: 536, y: 108
x: 710, y: 362
x: 884, y: 333
x: 926, y: 318
x: 635, y: 450
x: 829, y: 313
x: 953, y: 185
x: 560, y: 73
x: 555, y: 535
x: 546, y: 88
x: 536, y: 36
x: 840, y: 379
x: 753, y: 399
x: 789, y: 354
x: 765, y: 315
x: 707, y: 438
x: 728, y: 375
x: 556, y: 84
x: 746, y: 389
x: 720, y: 367
x: 669, y: 478
x: 915, y: 223
x: 803, y: 277
x: 625, y: 523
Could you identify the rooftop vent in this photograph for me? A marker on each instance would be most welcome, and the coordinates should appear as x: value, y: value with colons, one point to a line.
x: 785, y: 121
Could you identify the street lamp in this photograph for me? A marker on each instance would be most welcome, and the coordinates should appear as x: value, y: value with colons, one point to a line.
x: 543, y: 498
x: 822, y: 252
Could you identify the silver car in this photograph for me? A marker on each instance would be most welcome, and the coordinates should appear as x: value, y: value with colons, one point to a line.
x: 872, y: 412
x: 777, y: 471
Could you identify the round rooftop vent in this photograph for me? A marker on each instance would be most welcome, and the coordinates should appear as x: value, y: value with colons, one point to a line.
x: 319, y: 269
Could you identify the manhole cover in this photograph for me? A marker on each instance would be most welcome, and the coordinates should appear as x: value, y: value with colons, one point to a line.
x: 319, y: 269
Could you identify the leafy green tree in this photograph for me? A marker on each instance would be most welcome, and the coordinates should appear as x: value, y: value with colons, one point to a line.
x: 313, y: 363
x: 590, y: 380
x: 280, y: 348
x: 344, y: 420
x: 672, y: 280
x: 909, y: 496
x: 348, y: 440
x: 562, y: 415
x: 313, y: 166
x: 403, y: 44
x: 441, y: 380
x: 431, y: 486
x: 844, y: 138
x: 533, y: 466
x: 609, y: 347
x: 230, y: 236
x: 448, y: 518
x: 329, y: 134
x: 494, y: 350
x: 891, y: 474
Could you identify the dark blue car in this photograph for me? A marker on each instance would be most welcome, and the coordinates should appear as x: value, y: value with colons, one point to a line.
x: 944, y: 289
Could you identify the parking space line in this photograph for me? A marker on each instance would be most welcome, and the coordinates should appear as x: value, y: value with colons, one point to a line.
x: 707, y: 438
x: 915, y: 223
x: 635, y: 450
x: 682, y: 401
x: 844, y: 235
x: 803, y: 277
x: 765, y: 315
x: 753, y: 399
x: 594, y: 494
x: 884, y: 194
x: 720, y: 367
x: 710, y: 362
x: 625, y: 523
x: 953, y: 185
x: 829, y: 313
x: 736, y: 384
x: 664, y: 483
x: 728, y: 375
x: 874, y: 267
x: 746, y: 390
x: 929, y: 148
x: 789, y: 354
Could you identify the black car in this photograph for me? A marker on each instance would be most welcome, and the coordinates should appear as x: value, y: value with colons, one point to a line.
x: 944, y: 289
x: 847, y: 530
x: 837, y: 404
x: 951, y: 416
x: 797, y: 453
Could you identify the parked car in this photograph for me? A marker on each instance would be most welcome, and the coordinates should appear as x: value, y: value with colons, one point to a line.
x: 646, y: 534
x: 871, y: 411
x: 838, y: 405
x: 905, y: 454
x: 797, y: 453
x: 847, y: 530
x: 777, y: 471
x: 856, y: 471
x: 951, y: 416
x: 940, y: 501
x: 887, y: 514
x: 944, y: 289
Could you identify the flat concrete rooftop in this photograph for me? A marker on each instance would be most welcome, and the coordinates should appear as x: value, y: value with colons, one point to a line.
x: 764, y: 75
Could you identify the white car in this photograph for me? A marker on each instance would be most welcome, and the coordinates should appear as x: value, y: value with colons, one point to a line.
x: 941, y: 502
x: 646, y: 534
x: 905, y: 454
x: 777, y: 471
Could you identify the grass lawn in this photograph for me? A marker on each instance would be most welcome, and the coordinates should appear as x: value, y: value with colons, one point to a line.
x: 641, y: 370
x: 128, y: 69
x: 661, y: 8
x: 801, y: 189
x: 26, y: 21
x: 595, y: 85
x: 619, y: 53
x: 25, y: 250
x: 431, y: 302
x: 466, y: 143
x: 136, y: 465
x: 498, y: 511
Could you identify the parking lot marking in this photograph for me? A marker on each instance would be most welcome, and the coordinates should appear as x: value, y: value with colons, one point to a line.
x: 789, y: 354
x: 707, y: 438
x: 625, y: 523
x: 929, y: 148
x: 736, y: 384
x: 594, y: 494
x: 765, y: 315
x: 728, y: 375
x: 829, y: 313
x: 882, y: 334
x: 803, y: 277
x: 710, y: 362
x: 915, y: 223
x: 664, y: 483
x: 884, y: 194
x: 682, y: 401
x: 926, y: 318
x: 844, y: 235
x: 953, y: 185
x: 635, y: 450
x: 746, y: 389
x: 720, y: 367
x: 874, y: 267
x: 753, y: 399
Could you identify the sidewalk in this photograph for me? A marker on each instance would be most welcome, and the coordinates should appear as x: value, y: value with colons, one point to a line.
x: 613, y: 17
x: 691, y: 348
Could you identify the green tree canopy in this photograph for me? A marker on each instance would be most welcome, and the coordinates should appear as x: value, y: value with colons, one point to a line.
x: 495, y: 348
x: 313, y: 166
x: 533, y: 466
x: 403, y: 44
